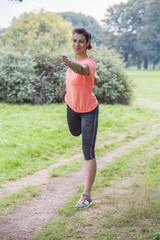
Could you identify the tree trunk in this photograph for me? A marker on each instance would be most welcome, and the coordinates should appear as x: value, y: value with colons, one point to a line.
x: 145, y: 63
x: 154, y: 65
x: 139, y: 64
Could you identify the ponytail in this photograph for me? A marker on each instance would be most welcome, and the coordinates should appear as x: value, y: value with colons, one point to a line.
x: 89, y: 39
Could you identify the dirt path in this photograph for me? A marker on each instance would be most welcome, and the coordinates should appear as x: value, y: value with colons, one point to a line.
x: 27, y: 220
x: 40, y: 177
x: 117, y: 189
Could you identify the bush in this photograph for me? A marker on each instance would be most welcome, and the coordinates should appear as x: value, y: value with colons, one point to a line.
x: 114, y: 86
x: 17, y: 76
x: 38, y: 76
x: 51, y: 74
x: 35, y: 77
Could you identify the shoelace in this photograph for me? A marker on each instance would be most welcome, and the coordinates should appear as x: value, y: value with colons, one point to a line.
x: 81, y: 200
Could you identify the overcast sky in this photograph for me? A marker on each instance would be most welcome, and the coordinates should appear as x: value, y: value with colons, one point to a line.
x: 94, y: 8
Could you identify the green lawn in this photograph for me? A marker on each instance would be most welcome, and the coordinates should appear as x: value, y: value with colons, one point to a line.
x: 33, y: 137
x: 147, y: 84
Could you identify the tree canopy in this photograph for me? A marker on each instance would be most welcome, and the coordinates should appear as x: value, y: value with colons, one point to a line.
x: 48, y: 28
x: 133, y: 29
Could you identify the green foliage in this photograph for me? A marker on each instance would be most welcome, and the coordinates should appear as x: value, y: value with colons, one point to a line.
x: 2, y: 30
x: 35, y: 77
x: 149, y: 35
x: 114, y: 85
x: 51, y: 76
x: 30, y: 69
x: 133, y: 29
x: 17, y: 76
x: 45, y: 27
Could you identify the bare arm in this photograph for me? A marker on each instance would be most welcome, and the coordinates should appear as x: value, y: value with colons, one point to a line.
x: 97, y: 79
x: 81, y: 69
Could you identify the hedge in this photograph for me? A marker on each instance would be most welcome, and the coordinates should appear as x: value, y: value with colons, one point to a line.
x: 38, y: 76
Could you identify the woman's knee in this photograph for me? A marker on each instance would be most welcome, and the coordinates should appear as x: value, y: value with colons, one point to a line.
x: 75, y: 133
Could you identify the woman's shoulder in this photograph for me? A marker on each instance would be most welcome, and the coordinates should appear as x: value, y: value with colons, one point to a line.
x: 89, y: 60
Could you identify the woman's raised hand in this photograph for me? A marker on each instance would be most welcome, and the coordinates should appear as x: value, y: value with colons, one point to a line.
x: 65, y: 60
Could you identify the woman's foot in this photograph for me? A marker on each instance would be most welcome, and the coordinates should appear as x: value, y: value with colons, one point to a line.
x: 84, y: 202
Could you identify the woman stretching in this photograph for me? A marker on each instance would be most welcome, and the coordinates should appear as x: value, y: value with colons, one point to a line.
x: 82, y: 105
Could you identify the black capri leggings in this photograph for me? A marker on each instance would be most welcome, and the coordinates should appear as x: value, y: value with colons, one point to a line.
x: 87, y: 124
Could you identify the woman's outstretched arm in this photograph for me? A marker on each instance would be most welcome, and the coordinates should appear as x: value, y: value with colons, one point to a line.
x: 81, y: 69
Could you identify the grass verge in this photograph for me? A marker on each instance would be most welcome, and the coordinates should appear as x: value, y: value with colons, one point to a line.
x: 67, y: 168
x: 130, y: 215
x: 9, y: 202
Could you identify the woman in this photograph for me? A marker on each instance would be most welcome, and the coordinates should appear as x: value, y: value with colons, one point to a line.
x: 82, y: 105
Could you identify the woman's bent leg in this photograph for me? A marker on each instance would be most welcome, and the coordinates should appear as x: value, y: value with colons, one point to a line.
x: 74, y: 122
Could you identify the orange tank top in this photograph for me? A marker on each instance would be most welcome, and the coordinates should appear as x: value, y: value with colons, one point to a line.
x: 79, y: 89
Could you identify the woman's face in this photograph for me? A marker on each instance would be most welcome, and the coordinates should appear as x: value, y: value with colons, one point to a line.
x: 79, y: 43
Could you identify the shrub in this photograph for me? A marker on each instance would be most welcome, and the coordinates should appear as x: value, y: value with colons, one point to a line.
x: 114, y: 85
x: 51, y: 74
x: 17, y: 76
x: 37, y: 76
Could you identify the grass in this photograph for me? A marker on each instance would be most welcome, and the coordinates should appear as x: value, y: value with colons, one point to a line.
x: 9, y: 202
x: 134, y: 215
x: 33, y: 137
x: 147, y: 88
x: 65, y: 169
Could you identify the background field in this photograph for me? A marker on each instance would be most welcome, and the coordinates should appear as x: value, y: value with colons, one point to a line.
x: 147, y: 88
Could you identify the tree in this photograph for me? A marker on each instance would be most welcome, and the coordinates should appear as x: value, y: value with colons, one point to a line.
x: 126, y: 27
x: 45, y: 27
x: 88, y: 22
x: 149, y: 34
x: 116, y: 29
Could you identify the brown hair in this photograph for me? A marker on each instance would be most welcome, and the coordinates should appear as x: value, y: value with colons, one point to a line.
x: 85, y: 33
